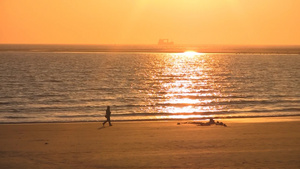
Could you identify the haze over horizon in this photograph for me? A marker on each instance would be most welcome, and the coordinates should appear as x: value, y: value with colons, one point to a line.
x: 218, y: 22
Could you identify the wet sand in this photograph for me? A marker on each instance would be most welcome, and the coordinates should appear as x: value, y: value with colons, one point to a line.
x: 245, y: 143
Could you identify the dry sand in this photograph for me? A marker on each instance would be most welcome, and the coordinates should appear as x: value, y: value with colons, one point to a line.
x: 250, y: 143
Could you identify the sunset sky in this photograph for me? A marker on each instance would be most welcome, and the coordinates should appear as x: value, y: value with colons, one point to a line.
x: 228, y: 22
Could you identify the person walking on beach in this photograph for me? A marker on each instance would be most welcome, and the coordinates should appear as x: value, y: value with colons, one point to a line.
x: 107, y: 116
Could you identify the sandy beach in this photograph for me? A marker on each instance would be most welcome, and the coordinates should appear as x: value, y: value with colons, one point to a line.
x: 245, y: 143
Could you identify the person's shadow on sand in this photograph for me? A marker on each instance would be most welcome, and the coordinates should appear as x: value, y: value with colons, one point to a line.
x: 102, y: 127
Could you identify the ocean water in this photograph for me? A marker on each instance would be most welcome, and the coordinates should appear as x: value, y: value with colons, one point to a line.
x: 72, y: 86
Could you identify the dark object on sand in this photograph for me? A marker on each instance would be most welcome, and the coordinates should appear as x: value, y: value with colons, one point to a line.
x: 204, y: 124
x: 211, y: 121
x: 221, y: 124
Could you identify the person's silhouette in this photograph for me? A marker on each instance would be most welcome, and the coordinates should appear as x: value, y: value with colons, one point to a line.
x: 107, y: 116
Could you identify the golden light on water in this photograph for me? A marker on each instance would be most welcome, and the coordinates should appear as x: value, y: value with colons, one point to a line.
x: 191, y: 53
x: 186, y: 92
x: 184, y: 116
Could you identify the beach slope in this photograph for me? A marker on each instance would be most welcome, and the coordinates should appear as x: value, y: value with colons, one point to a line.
x: 261, y: 143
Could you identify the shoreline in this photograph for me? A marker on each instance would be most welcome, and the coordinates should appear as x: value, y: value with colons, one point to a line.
x: 245, y: 119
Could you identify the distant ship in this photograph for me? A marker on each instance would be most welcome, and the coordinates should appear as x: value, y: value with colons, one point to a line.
x: 165, y: 42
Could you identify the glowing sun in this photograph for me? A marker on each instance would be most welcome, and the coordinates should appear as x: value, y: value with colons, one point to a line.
x: 191, y: 53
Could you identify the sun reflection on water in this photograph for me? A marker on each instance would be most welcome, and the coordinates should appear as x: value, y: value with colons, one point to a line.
x: 187, y: 91
x: 192, y: 53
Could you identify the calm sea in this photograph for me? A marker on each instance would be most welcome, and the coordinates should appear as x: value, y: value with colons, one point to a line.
x: 71, y: 86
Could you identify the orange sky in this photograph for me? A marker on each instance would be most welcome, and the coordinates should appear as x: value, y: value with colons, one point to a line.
x: 244, y: 22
